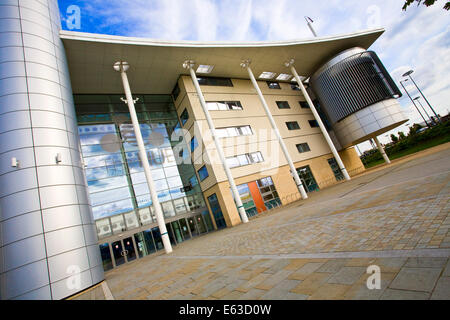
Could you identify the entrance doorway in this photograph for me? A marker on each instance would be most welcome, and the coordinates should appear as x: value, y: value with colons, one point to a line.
x: 123, y: 251
x: 307, y: 179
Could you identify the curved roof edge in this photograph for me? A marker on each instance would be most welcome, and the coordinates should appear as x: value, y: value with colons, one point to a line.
x: 84, y: 36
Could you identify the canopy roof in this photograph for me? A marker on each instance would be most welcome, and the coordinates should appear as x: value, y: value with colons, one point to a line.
x: 155, y: 65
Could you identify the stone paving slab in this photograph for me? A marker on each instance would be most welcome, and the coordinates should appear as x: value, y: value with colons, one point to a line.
x: 396, y: 218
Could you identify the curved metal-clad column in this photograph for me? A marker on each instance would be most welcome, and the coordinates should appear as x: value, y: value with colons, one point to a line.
x: 358, y: 96
x: 48, y: 246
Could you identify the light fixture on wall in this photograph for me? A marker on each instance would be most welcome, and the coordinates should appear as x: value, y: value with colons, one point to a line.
x: 58, y: 158
x: 14, y: 162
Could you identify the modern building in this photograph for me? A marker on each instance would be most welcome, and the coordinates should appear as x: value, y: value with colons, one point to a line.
x: 113, y: 148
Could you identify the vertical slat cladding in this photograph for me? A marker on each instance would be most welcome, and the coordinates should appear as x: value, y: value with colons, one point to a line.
x: 353, y: 84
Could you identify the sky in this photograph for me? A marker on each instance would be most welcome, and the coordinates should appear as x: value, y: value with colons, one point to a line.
x: 416, y: 39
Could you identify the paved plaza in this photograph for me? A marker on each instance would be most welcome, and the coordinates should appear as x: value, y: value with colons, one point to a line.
x: 395, y: 217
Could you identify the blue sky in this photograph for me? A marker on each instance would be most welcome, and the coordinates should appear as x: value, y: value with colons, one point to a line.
x: 417, y: 39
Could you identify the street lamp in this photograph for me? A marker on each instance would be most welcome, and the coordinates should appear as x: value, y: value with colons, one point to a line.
x: 408, y: 74
x: 420, y: 103
x: 401, y: 82
x: 309, y: 21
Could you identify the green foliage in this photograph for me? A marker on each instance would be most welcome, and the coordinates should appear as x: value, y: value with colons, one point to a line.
x: 394, y: 138
x: 413, y: 142
x: 426, y: 3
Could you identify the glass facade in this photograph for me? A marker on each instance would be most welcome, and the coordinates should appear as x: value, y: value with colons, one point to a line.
x: 116, y: 181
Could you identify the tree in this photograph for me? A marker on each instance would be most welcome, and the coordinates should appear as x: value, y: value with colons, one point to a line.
x: 426, y: 2
x: 394, y: 138
x: 401, y: 135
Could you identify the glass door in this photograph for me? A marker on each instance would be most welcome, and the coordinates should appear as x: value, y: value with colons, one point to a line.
x: 192, y: 226
x: 307, y: 178
x: 130, y: 251
x: 118, y: 253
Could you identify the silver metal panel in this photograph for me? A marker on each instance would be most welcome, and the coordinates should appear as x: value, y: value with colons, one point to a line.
x: 64, y: 240
x: 11, y: 53
x: 76, y: 158
x: 19, y: 203
x: 94, y: 257
x: 79, y: 176
x: 90, y: 234
x: 17, y: 181
x: 50, y: 137
x: 36, y: 85
x: 10, y: 39
x: 55, y: 175
x: 46, y: 119
x: 21, y: 227
x: 38, y: 56
x: 39, y: 6
x: 45, y: 102
x: 33, y: 16
x: 69, y: 109
x: 82, y: 195
x: 97, y: 273
x: 58, y: 196
x: 38, y: 294
x: 14, y: 120
x: 13, y: 85
x: 45, y: 156
x: 61, y: 266
x: 10, y: 25
x: 61, y: 217
x: 37, y: 70
x: 23, y: 280
x: 67, y: 287
x: 16, y: 139
x: 12, y: 69
x: 42, y: 30
x: 86, y: 214
x: 9, y: 12
x: 13, y: 102
x: 24, y: 156
x: 23, y: 252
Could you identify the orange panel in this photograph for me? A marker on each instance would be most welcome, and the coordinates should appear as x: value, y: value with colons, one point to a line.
x: 259, y: 202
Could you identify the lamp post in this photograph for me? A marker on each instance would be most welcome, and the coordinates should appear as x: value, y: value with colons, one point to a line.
x: 408, y: 74
x: 401, y: 82
x: 428, y: 116
x: 308, y: 22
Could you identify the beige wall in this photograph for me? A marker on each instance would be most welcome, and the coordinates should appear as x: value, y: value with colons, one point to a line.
x: 263, y: 140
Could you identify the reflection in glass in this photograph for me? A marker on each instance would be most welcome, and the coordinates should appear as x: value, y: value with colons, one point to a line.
x: 106, y: 256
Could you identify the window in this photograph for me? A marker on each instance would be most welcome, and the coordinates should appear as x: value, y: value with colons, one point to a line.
x: 295, y: 87
x: 292, y: 125
x: 224, y: 105
x: 234, y: 131
x: 273, y: 85
x: 203, y: 173
x: 184, y: 116
x: 336, y: 170
x: 304, y: 104
x: 244, y: 159
x: 176, y: 92
x: 313, y: 123
x: 212, y: 81
x: 194, y: 143
x: 283, y: 105
x: 303, y: 147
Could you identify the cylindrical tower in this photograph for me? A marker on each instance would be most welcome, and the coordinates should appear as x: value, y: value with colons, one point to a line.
x: 358, y: 95
x: 48, y: 246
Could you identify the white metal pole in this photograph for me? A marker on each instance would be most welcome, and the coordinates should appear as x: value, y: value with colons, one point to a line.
x: 319, y: 121
x: 300, y: 187
x: 123, y: 66
x: 381, y: 149
x: 237, y: 197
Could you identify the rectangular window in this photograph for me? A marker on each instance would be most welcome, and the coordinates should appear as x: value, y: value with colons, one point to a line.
x: 184, y: 116
x: 244, y: 159
x: 273, y: 85
x: 203, y: 173
x: 176, y: 92
x: 336, y: 170
x: 283, y: 105
x: 234, y: 131
x: 224, y: 105
x: 194, y: 144
x: 295, y: 87
x: 304, y: 104
x: 292, y: 125
x: 213, y: 81
x: 313, y: 123
x: 303, y: 147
